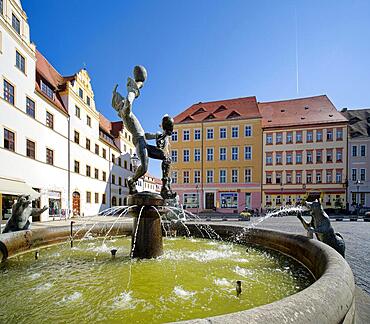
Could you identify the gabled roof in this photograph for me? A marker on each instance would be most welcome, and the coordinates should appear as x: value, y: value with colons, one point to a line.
x: 301, y: 111
x: 359, y: 122
x: 245, y: 107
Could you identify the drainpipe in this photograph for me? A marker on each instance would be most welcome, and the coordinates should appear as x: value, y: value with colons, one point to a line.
x: 69, y: 168
x: 202, y: 168
x: 110, y: 177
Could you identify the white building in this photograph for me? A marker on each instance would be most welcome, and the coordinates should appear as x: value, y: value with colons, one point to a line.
x: 149, y: 183
x: 51, y: 135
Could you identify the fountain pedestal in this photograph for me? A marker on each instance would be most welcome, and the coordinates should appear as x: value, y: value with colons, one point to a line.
x: 146, y: 239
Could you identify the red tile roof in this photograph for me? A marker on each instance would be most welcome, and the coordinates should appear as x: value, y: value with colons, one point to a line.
x: 117, y: 126
x: 240, y: 108
x: 105, y: 123
x: 46, y: 72
x: 301, y: 111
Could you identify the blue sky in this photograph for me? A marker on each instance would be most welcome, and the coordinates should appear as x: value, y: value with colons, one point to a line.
x: 202, y: 50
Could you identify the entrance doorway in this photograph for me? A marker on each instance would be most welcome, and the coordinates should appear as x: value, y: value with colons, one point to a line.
x: 76, y: 203
x: 210, y: 200
x: 247, y: 200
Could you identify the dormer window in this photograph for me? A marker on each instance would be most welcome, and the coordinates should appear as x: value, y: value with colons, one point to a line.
x: 16, y: 24
x: 80, y: 93
x: 47, y: 90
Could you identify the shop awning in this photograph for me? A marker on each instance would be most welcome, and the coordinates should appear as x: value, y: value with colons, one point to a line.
x: 16, y: 187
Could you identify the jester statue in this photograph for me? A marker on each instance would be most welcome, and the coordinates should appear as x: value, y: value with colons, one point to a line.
x: 144, y: 151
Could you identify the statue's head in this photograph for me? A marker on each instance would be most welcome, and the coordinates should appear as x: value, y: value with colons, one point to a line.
x: 314, y: 205
x: 23, y: 200
x: 167, y: 124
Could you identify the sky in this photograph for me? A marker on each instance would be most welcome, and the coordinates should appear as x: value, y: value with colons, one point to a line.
x: 204, y: 50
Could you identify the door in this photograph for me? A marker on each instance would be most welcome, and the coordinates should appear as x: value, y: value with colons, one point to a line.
x: 76, y: 203
x: 247, y: 200
x: 210, y: 200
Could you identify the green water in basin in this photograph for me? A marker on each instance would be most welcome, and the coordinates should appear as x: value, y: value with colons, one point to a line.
x: 195, y: 278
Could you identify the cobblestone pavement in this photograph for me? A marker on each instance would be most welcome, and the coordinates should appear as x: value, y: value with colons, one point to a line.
x: 355, y: 234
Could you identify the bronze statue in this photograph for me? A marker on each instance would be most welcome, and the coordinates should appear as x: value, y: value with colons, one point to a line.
x: 144, y: 151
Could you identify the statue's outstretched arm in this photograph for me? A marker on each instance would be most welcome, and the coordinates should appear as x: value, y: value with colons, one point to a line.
x: 151, y: 136
x: 38, y: 211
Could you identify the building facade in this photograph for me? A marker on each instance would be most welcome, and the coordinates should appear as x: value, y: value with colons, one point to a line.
x: 359, y: 158
x: 216, y: 152
x: 52, y: 136
x: 304, y: 152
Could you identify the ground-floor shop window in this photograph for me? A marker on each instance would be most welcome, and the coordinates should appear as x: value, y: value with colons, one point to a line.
x: 229, y: 200
x: 191, y: 200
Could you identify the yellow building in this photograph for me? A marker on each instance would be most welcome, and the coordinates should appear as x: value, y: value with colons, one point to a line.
x: 304, y: 152
x: 216, y: 150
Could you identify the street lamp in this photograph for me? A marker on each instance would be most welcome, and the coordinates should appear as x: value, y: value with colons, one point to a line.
x: 135, y: 161
x: 197, y: 188
x: 358, y: 183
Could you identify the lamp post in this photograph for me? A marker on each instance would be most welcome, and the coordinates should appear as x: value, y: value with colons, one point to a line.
x: 358, y: 183
x: 197, y: 188
x: 135, y: 161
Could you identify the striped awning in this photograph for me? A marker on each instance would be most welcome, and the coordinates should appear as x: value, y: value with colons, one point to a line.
x: 17, y: 187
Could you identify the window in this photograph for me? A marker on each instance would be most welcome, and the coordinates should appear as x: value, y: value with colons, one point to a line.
x: 88, y: 170
x: 268, y: 138
x: 279, y: 138
x: 49, y: 120
x: 47, y: 90
x: 288, y: 177
x: 298, y: 177
x: 125, y: 164
x: 309, y: 176
x: 119, y: 181
x: 1, y: 7
x: 329, y: 176
x: 329, y: 155
x: 30, y: 107
x: 96, y: 197
x: 235, y: 132
x: 269, y: 158
x: 339, y: 135
x: 209, y: 133
x: 339, y: 155
x: 49, y: 156
x: 197, y: 134
x: 96, y: 173
x: 190, y: 200
x: 186, y: 135
x: 298, y: 137
x: 248, y: 152
x: 268, y: 178
x: 309, y: 157
x: 31, y: 149
x: 209, y: 154
x: 88, y: 144
x: 197, y: 154
x: 309, y: 136
x: 363, y: 174
x: 222, y: 132
x: 278, y: 157
x: 80, y: 93
x: 234, y: 153
x: 268, y: 199
x: 16, y: 24
x: 222, y: 176
x: 209, y: 176
x: 248, y: 131
x: 88, y: 101
x: 354, y: 174
x: 354, y: 198
x: 329, y: 134
x: 113, y: 178
x: 196, y: 176
x: 174, y: 177
x: 77, y: 112
x: 9, y: 140
x: 77, y: 167
x: 289, y: 158
x: 363, y: 150
x: 318, y: 156
x: 289, y: 137
x: 88, y: 121
x: 248, y: 175
x: 97, y: 149
x: 174, y: 156
x: 234, y: 175
x: 338, y: 176
x: 278, y: 177
x: 77, y: 137
x: 354, y: 150
x: 103, y: 199
x: 88, y: 197
x: 278, y: 200
x: 186, y: 155
x: 319, y: 136
x: 113, y: 158
x: 298, y: 157
x: 20, y: 61
x: 222, y: 153
x: 8, y: 92
x: 318, y: 176
x: 173, y: 136
x: 104, y: 153
x: 229, y: 200
x: 186, y: 177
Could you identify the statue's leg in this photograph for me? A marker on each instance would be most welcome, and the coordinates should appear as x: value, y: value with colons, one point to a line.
x: 142, y: 154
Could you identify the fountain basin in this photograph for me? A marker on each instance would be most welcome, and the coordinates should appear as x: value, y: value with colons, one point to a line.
x: 330, y: 299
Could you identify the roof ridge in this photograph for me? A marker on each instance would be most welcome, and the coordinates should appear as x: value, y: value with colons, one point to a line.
x: 294, y: 99
x: 222, y: 100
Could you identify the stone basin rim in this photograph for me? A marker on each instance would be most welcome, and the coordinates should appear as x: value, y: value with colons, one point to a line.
x: 330, y: 299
